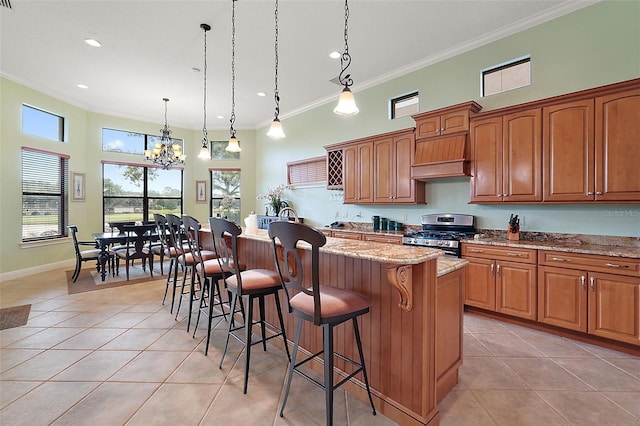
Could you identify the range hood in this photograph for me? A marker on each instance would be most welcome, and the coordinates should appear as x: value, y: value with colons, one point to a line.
x: 441, y: 157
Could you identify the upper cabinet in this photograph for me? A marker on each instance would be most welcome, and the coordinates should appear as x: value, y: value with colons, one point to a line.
x: 392, y: 170
x: 358, y: 173
x: 507, y: 158
x: 445, y: 121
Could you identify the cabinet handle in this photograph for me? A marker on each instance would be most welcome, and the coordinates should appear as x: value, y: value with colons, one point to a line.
x: 498, y: 269
x: 498, y: 195
x: 476, y: 250
x: 615, y: 265
x: 598, y: 192
x: 560, y: 259
x: 515, y: 254
x: 590, y: 193
x: 592, y: 283
x: 492, y: 266
x: 583, y: 282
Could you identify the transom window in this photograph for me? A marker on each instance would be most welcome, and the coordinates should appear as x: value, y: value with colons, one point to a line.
x: 45, y: 187
x: 134, y: 192
x: 225, y: 194
x: 41, y: 123
x: 131, y: 142
x: 405, y: 105
x: 508, y: 76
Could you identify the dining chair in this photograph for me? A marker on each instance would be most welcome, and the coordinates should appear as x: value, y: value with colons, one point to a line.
x: 159, y: 246
x: 208, y: 275
x: 84, y: 255
x: 137, y: 236
x: 248, y: 284
x: 321, y: 305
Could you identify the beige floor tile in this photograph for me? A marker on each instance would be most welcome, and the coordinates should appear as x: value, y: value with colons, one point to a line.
x: 544, y: 374
x: 160, y: 320
x: 603, y: 352
x: 231, y: 407
x: 97, y: 366
x: 479, y: 324
x: 630, y: 401
x: 552, y: 346
x: 359, y: 413
x: 92, y: 338
x: 176, y: 340
x: 586, y: 408
x: 473, y: 347
x: 198, y: 368
x: 507, y: 344
x: 11, y: 391
x: 265, y: 368
x: 45, y: 403
x: 12, y: 335
x: 629, y: 365
x: 9, y: 358
x: 177, y: 404
x: 51, y: 319
x: 152, y: 366
x: 109, y: 404
x: 135, y: 339
x: 509, y: 407
x: 47, y: 338
x: 599, y: 374
x: 86, y: 319
x: 44, y: 366
x: 461, y: 408
x: 124, y: 320
x: 487, y: 373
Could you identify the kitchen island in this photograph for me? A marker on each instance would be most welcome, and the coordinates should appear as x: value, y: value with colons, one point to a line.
x: 409, y: 367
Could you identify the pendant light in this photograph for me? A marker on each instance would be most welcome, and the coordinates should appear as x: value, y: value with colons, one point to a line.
x: 234, y: 144
x: 346, y: 102
x: 276, y: 131
x: 205, y: 154
x: 165, y: 153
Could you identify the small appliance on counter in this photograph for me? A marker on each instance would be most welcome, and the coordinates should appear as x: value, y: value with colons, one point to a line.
x: 443, y: 231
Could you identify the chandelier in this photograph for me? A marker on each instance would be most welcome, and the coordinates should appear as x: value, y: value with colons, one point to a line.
x: 276, y: 131
x: 234, y: 144
x: 346, y: 102
x: 165, y: 153
x: 205, y: 154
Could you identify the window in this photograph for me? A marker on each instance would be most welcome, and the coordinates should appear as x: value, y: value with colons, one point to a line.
x: 130, y: 142
x: 404, y: 105
x: 308, y: 171
x: 508, y: 76
x: 41, y: 123
x: 44, y: 189
x: 133, y: 192
x: 225, y: 194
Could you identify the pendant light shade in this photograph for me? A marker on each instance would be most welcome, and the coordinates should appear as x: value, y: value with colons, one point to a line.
x: 165, y: 153
x: 276, y: 131
x: 234, y: 144
x: 205, y: 153
x: 346, y: 102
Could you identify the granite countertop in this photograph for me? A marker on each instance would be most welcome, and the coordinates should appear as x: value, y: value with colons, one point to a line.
x: 448, y: 264
x: 564, y: 246
x: 379, y: 252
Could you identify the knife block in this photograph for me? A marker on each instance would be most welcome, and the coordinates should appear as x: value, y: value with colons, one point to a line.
x: 513, y: 236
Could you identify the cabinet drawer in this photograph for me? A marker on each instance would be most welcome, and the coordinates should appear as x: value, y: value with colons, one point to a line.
x: 500, y: 253
x: 390, y: 239
x: 591, y: 262
x: 347, y: 235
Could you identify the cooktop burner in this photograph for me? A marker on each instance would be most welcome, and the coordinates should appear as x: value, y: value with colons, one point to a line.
x: 442, y: 231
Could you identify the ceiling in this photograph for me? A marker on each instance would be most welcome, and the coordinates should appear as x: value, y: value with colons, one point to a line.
x: 150, y: 47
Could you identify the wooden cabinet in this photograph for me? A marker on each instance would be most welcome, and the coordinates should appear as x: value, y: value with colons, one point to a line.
x: 346, y: 234
x: 506, y: 154
x: 445, y: 121
x: 358, y: 173
x: 392, y: 170
x: 501, y: 279
x: 573, y: 293
x: 617, y: 126
x: 568, y: 146
x: 389, y: 239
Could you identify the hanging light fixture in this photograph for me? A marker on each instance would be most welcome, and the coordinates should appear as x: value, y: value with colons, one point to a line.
x: 346, y: 103
x: 276, y: 131
x: 233, y: 145
x: 205, y: 154
x: 165, y: 153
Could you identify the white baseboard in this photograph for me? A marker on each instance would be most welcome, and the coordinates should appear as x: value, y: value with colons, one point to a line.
x: 37, y: 269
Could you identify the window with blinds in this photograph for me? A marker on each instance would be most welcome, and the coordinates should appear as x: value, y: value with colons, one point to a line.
x: 308, y: 171
x: 44, y: 188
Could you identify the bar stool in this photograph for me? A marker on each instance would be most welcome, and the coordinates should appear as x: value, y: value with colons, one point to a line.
x: 249, y: 285
x: 319, y: 304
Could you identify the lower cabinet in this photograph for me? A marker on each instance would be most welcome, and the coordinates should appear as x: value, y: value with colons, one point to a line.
x: 497, y: 284
x: 579, y: 297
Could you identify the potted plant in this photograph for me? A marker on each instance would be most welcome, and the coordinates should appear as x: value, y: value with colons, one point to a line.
x: 274, y: 198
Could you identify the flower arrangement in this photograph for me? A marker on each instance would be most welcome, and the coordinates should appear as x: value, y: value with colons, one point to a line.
x: 274, y: 197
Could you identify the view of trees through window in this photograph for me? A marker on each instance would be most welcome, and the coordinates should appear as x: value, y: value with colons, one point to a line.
x: 135, y: 192
x: 225, y: 194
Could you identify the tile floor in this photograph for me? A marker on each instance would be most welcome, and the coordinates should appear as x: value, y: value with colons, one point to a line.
x: 116, y: 356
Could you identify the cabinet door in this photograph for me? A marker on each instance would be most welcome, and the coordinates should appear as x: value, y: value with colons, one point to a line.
x: 365, y: 179
x: 568, y: 147
x: 486, y: 160
x: 522, y: 156
x: 617, y: 153
x: 480, y: 288
x: 407, y: 190
x: 427, y: 127
x: 516, y: 289
x: 351, y: 174
x: 456, y: 121
x: 384, y: 171
x: 562, y: 297
x: 614, y: 307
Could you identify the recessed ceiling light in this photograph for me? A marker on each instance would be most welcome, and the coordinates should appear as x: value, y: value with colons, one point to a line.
x: 335, y: 55
x: 92, y: 42
x: 261, y: 94
x: 82, y: 86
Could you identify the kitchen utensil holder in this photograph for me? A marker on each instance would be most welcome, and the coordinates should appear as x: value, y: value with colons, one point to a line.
x: 513, y: 236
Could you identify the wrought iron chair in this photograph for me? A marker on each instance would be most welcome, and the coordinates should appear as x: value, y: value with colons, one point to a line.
x: 84, y: 255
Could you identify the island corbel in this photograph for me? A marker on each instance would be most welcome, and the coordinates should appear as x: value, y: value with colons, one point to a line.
x: 399, y: 277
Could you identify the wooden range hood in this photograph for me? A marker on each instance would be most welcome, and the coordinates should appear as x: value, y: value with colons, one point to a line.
x: 442, y: 148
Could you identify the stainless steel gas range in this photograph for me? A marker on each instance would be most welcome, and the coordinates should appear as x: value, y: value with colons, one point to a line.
x: 443, y: 231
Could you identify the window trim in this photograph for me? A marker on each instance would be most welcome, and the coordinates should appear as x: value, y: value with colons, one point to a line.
x: 62, y: 124
x: 394, y: 101
x: 502, y: 66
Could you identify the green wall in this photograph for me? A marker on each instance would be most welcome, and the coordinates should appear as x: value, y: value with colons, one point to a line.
x: 594, y: 46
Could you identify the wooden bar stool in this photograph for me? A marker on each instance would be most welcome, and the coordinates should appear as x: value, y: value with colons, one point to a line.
x: 320, y: 305
x: 249, y: 285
